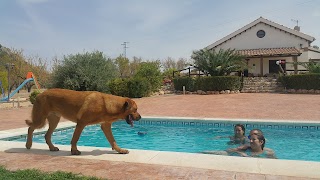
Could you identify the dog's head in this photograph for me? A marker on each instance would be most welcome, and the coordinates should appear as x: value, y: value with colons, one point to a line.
x: 130, y: 108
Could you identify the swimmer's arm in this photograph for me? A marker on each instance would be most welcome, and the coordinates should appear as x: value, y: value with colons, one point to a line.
x: 270, y: 153
x: 239, y: 152
x: 240, y: 148
x: 243, y: 154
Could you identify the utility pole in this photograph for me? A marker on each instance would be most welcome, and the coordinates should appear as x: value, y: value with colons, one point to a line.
x: 125, y: 49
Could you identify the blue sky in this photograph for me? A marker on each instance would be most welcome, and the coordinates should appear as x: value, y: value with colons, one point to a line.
x: 154, y: 29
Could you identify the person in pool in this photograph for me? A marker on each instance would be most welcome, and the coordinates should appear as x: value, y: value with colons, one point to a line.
x: 256, y: 148
x: 239, y: 135
x: 257, y: 132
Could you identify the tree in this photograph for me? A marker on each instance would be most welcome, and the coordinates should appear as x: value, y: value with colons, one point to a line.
x: 84, y: 72
x: 38, y: 67
x: 134, y: 65
x: 219, y: 63
x: 169, y: 63
x: 168, y: 74
x: 123, y: 66
x: 182, y: 63
x: 312, y: 67
x: 21, y: 66
x: 151, y: 71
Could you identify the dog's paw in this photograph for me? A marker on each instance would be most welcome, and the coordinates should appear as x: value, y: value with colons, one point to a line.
x: 75, y: 152
x: 54, y: 149
x: 123, y: 151
x: 28, y: 145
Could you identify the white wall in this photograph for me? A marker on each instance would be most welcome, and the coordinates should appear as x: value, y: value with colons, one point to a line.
x: 274, y: 38
x: 254, y: 64
x: 313, y: 55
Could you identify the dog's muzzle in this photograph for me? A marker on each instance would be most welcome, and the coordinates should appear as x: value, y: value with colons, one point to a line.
x: 130, y: 118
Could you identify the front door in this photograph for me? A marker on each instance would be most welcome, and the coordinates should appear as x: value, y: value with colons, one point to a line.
x: 274, y: 67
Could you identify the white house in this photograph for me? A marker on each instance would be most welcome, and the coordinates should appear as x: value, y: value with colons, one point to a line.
x: 264, y: 42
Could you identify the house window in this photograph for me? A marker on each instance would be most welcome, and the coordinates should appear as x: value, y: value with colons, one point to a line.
x: 261, y: 33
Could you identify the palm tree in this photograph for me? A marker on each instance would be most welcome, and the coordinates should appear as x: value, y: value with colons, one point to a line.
x: 219, y: 63
x: 312, y: 67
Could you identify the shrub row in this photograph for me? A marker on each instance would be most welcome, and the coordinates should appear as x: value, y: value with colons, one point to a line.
x: 134, y: 87
x: 210, y: 83
x: 301, y: 81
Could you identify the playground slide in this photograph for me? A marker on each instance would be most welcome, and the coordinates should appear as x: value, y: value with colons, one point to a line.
x: 16, y: 90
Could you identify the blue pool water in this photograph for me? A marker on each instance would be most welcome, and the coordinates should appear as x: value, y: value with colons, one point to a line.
x: 289, y: 141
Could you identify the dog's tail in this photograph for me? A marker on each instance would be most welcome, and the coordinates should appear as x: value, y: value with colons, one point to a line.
x: 38, y: 115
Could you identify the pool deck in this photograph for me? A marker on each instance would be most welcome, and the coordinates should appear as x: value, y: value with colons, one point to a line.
x: 140, y: 164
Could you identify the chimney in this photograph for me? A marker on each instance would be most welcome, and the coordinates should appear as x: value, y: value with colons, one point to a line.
x: 297, y: 28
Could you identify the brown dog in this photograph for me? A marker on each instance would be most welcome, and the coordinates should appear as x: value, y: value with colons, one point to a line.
x: 83, y: 108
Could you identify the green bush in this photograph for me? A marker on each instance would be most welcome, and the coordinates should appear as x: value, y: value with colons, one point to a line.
x: 301, y: 81
x: 119, y: 87
x: 139, y: 87
x: 150, y: 71
x: 211, y: 83
x: 134, y: 87
x: 219, y: 83
x: 33, y: 96
x: 84, y: 72
x: 188, y: 82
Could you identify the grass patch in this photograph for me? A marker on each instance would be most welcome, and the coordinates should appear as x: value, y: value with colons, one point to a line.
x: 38, y: 175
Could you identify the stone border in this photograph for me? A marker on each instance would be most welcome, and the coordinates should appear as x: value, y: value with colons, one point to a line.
x: 201, y: 92
x: 302, y: 91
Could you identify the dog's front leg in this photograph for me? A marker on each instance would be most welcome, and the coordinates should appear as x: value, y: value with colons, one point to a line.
x: 106, y: 128
x: 75, y: 138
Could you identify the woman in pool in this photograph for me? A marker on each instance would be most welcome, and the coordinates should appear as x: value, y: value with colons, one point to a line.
x: 239, y: 135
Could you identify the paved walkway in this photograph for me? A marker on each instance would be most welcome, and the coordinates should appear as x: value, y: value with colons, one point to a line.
x: 241, y: 106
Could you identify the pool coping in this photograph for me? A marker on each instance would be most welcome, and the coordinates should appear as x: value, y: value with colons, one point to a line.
x: 307, y: 169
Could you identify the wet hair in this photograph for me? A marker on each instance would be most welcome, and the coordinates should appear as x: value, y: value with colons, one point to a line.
x: 259, y: 132
x: 261, y: 138
x: 242, y: 127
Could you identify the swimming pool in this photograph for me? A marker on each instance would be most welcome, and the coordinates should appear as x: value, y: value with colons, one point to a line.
x: 293, y: 141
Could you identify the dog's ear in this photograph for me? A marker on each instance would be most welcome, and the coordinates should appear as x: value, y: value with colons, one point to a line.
x: 126, y: 105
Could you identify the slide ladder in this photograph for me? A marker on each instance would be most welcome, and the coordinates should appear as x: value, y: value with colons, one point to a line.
x: 31, y: 75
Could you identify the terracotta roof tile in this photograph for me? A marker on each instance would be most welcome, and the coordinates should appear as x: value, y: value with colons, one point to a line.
x: 269, y: 51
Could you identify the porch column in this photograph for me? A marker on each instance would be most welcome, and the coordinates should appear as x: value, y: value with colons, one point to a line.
x: 295, y: 65
x: 261, y: 66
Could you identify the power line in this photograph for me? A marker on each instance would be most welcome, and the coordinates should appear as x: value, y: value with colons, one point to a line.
x: 296, y: 21
x: 125, y: 49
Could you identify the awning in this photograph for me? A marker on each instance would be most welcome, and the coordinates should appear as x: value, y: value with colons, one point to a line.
x: 270, y: 52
